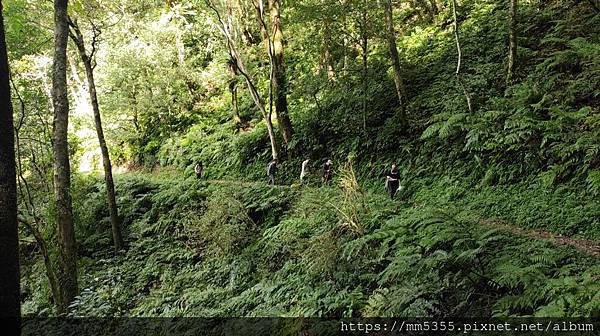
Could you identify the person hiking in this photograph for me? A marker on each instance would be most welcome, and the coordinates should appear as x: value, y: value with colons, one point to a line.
x: 327, y: 167
x: 198, y: 169
x: 271, y: 170
x: 304, y: 170
x: 392, y: 182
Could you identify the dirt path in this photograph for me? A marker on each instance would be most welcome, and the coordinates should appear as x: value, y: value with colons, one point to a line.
x: 244, y: 183
x: 234, y: 182
x: 590, y: 247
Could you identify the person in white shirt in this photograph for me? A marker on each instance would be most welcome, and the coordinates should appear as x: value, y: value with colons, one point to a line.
x: 304, y: 171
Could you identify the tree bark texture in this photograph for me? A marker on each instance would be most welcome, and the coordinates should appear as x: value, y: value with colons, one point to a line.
x: 62, y: 170
x: 10, y: 295
x: 391, y: 39
x: 279, y: 78
x: 86, y: 58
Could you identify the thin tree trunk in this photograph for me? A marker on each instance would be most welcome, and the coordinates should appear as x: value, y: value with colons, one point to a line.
x: 345, y: 40
x: 62, y: 169
x: 255, y: 97
x: 41, y: 243
x: 77, y: 37
x: 365, y: 64
x: 391, y: 39
x: 269, y: 46
x: 10, y: 293
x: 279, y: 78
x: 25, y: 193
x: 512, y: 39
x: 235, y: 56
x: 458, y: 64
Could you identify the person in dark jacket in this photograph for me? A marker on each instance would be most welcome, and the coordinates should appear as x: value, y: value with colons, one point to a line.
x: 327, y: 171
x: 392, y: 181
x: 271, y: 170
x: 198, y: 169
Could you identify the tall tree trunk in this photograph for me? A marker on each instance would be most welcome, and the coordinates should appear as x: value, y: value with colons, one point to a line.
x: 391, y: 39
x: 10, y: 293
x: 269, y: 46
x: 86, y: 58
x: 458, y: 64
x: 239, y: 66
x: 257, y: 100
x: 62, y: 169
x: 512, y: 38
x: 267, y: 116
x: 279, y: 78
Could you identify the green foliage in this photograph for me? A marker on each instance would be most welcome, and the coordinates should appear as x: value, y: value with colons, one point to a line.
x: 252, y: 250
x: 230, y: 246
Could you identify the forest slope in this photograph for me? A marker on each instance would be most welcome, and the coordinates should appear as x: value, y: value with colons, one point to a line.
x: 202, y: 249
x: 528, y: 155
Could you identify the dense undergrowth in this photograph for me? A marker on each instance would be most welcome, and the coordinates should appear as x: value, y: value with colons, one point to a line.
x: 532, y: 143
x: 542, y: 127
x: 528, y: 155
x: 225, y: 249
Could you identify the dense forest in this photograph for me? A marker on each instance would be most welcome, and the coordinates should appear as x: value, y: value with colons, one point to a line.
x: 134, y: 179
